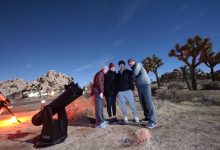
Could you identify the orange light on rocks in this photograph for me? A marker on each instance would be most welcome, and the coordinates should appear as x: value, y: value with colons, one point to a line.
x: 13, y: 121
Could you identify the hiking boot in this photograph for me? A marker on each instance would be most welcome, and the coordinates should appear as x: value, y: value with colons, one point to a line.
x: 151, y: 125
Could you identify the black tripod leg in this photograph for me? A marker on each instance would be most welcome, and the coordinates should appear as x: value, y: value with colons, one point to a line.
x: 6, y: 107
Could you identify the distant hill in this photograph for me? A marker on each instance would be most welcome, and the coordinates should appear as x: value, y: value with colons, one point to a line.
x: 52, y: 81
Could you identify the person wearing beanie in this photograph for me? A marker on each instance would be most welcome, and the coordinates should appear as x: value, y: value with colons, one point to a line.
x: 143, y: 85
x: 125, y: 91
x: 110, y: 92
x: 97, y: 93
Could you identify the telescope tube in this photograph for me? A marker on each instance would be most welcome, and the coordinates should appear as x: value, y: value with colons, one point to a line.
x: 73, y: 91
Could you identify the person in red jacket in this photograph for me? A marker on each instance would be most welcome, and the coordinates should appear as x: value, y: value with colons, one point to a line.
x: 97, y: 91
x: 3, y: 101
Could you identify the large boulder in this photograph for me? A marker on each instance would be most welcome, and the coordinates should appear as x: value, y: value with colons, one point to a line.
x: 52, y: 81
x: 13, y: 86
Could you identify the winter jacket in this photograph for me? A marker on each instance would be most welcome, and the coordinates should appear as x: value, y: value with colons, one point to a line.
x: 125, y: 81
x: 110, y: 85
x: 139, y: 75
x: 98, y: 83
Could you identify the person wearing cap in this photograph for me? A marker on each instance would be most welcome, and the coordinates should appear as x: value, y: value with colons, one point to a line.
x: 110, y: 92
x: 125, y: 91
x: 143, y: 85
x: 97, y: 92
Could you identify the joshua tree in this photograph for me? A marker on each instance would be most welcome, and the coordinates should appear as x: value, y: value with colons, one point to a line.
x: 194, y: 50
x: 185, y: 76
x: 152, y: 64
x: 186, y: 73
x: 211, y: 61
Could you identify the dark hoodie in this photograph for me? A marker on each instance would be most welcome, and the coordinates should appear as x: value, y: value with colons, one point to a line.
x: 125, y: 81
x: 110, y: 86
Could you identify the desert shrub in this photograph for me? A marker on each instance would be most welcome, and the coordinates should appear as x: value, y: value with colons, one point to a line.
x: 162, y: 94
x: 211, y: 86
x: 175, y: 85
x: 167, y: 94
x: 154, y: 90
x: 207, y: 100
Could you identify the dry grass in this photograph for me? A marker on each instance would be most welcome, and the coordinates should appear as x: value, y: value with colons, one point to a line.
x: 176, y: 85
x: 211, y: 85
x: 168, y: 94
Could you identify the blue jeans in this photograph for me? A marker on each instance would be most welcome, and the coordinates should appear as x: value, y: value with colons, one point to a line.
x: 123, y: 97
x: 98, y: 109
x: 145, y: 99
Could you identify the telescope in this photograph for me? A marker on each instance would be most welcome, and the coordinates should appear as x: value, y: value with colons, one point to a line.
x: 55, y: 131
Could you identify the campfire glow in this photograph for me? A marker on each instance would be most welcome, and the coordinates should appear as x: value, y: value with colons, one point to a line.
x: 13, y: 121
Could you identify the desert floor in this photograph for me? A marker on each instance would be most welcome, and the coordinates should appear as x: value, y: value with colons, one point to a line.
x: 188, y: 125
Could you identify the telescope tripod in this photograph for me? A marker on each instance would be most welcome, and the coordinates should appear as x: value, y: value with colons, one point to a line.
x: 2, y: 105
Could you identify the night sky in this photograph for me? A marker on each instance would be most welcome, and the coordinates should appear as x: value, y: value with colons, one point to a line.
x: 77, y: 37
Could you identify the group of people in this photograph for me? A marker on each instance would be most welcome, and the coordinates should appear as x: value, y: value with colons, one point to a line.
x: 110, y: 84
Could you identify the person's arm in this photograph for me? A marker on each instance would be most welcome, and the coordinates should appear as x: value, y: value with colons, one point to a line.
x: 105, y: 85
x: 131, y: 81
x: 116, y: 83
x: 136, y: 70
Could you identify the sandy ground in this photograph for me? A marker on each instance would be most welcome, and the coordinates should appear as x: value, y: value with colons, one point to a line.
x: 189, y: 125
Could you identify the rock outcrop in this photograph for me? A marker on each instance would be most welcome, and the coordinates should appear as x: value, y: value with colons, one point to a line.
x: 51, y: 82
x: 13, y: 86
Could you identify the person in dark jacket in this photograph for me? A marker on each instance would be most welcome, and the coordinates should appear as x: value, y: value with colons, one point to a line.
x: 143, y: 85
x: 110, y: 92
x: 125, y: 91
x: 97, y: 91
